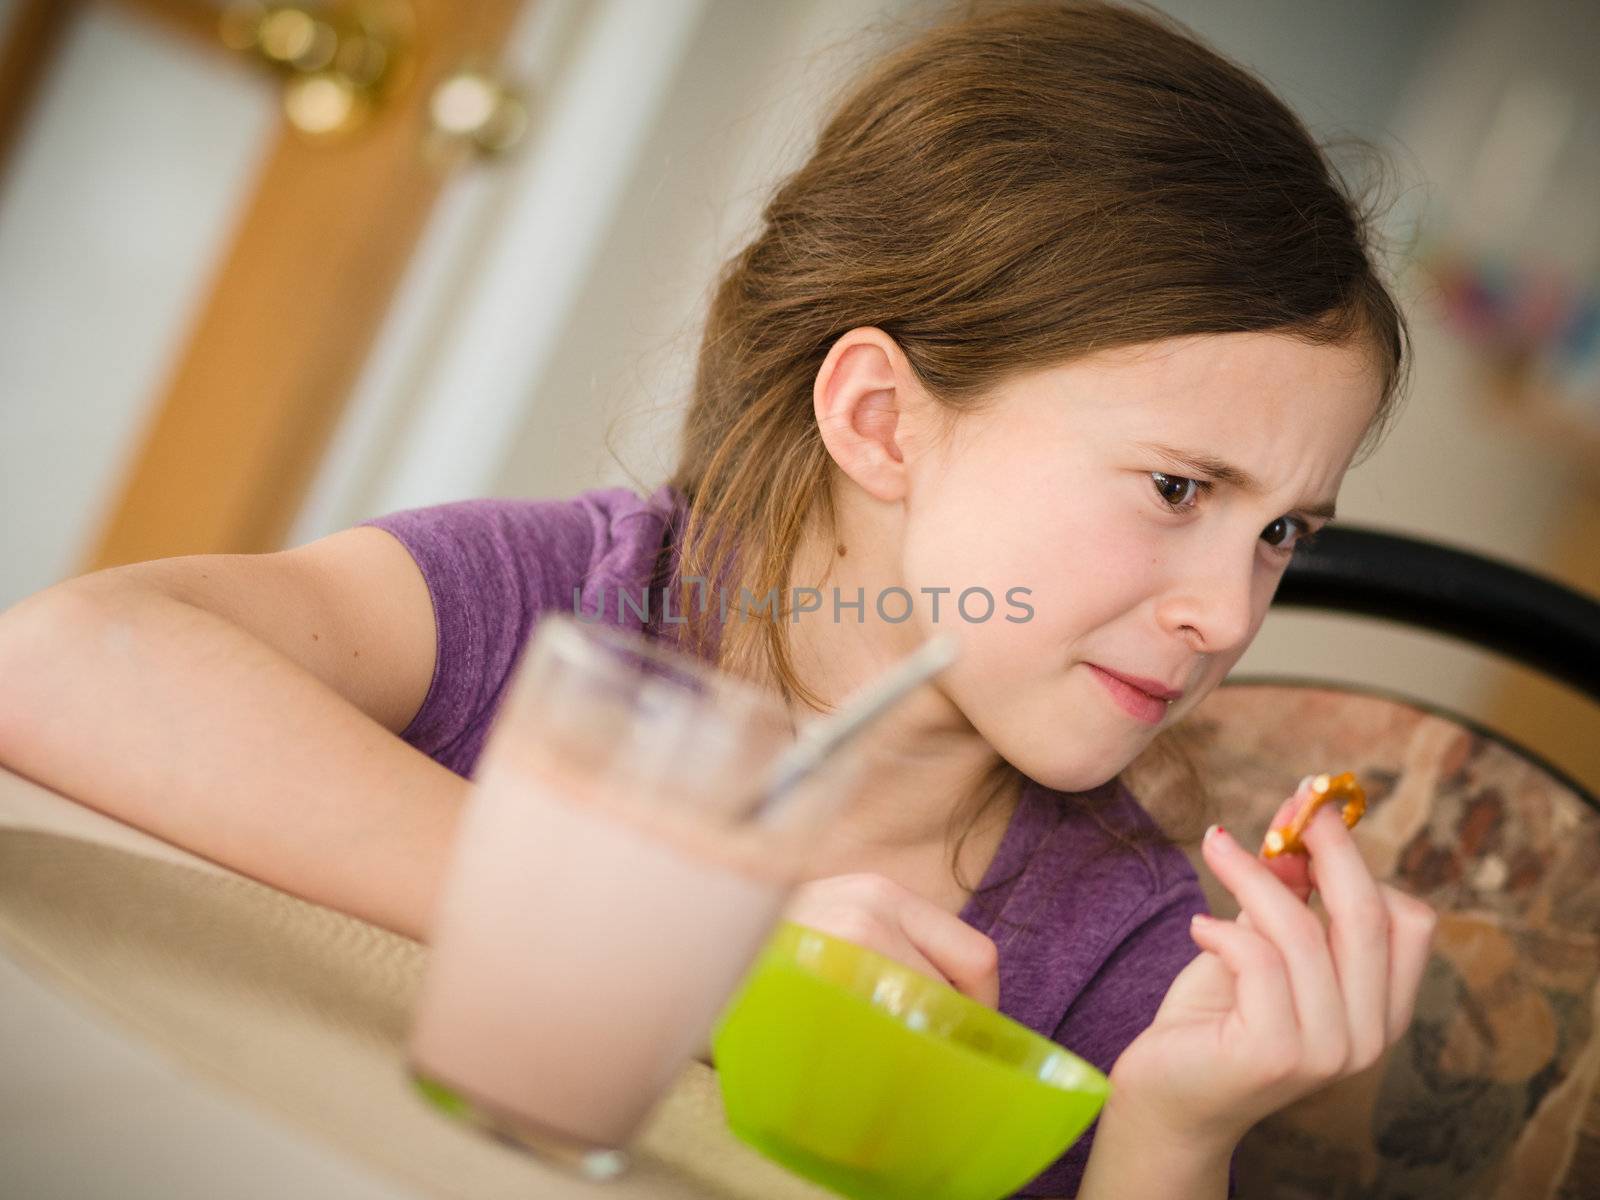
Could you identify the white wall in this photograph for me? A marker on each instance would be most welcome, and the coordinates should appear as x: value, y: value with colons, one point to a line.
x: 483, y: 304
x: 739, y: 115
x: 113, y: 208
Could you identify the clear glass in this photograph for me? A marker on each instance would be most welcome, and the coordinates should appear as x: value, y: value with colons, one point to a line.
x: 613, y: 879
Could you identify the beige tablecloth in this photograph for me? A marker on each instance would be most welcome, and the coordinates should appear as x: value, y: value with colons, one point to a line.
x: 299, y: 1010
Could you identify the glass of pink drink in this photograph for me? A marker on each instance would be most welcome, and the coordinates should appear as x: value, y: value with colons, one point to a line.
x: 613, y: 878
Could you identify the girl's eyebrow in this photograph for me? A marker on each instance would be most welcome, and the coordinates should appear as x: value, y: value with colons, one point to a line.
x: 1225, y: 472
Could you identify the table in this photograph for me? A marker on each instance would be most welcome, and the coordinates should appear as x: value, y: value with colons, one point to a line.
x: 175, y: 1029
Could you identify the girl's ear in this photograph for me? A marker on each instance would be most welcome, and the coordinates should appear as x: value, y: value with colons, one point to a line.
x: 862, y: 396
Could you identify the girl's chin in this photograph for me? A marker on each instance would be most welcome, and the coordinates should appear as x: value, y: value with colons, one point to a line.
x: 1073, y: 782
x: 1081, y: 775
x: 1104, y: 745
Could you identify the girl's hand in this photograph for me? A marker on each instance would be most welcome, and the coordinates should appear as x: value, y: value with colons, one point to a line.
x: 1278, y: 1005
x: 875, y: 912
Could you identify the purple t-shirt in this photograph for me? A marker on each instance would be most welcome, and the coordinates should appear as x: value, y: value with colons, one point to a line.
x: 1090, y: 932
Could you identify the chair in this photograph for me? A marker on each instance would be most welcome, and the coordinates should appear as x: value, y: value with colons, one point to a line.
x: 1492, y: 1091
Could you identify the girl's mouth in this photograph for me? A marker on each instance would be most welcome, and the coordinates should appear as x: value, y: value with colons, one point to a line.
x: 1140, y: 705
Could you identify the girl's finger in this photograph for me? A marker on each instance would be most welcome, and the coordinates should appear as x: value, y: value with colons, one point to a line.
x: 906, y: 953
x: 1293, y: 869
x: 964, y: 955
x: 1358, y: 933
x: 1411, y: 926
x: 1260, y: 982
x: 1279, y: 916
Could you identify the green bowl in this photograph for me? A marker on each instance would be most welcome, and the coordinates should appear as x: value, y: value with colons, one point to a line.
x: 882, y: 1084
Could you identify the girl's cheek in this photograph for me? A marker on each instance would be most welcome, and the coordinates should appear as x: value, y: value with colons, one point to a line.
x: 972, y: 548
x: 1112, y: 566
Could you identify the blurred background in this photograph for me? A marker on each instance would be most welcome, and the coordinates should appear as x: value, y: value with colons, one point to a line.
x: 268, y: 270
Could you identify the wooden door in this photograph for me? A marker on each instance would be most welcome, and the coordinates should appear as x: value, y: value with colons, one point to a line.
x: 234, y: 435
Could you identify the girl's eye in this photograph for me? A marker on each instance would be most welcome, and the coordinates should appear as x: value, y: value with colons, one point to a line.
x: 1275, y: 533
x: 1173, y: 489
x: 1180, y: 493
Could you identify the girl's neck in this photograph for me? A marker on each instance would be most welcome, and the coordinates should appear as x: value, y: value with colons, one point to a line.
x: 927, y: 767
x: 943, y: 869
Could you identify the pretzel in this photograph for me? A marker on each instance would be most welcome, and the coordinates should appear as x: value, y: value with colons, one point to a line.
x: 1286, y: 838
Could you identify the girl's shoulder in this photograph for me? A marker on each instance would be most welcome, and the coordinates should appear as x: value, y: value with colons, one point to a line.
x: 495, y: 567
x: 540, y: 542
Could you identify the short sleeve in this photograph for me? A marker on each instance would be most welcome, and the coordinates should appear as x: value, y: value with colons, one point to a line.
x: 1120, y: 1001
x: 493, y: 568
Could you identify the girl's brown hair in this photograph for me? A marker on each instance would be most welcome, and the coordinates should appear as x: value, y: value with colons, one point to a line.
x: 1013, y: 187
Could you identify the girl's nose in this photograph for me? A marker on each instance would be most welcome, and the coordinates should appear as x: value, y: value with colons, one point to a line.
x: 1211, y: 606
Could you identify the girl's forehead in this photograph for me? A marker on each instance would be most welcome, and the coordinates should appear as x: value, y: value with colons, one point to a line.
x: 1201, y: 362
x: 1210, y: 379
x: 1284, y: 415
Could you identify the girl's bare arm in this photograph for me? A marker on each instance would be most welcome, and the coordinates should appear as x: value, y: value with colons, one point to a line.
x: 244, y: 707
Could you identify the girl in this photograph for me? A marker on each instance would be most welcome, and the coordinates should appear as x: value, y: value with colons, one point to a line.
x: 1065, y: 311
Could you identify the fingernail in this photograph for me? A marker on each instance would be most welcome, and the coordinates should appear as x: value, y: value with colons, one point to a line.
x: 1215, y: 831
x: 1201, y: 919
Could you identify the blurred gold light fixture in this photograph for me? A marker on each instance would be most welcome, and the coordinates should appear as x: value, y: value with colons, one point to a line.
x: 338, y: 61
x: 470, y: 107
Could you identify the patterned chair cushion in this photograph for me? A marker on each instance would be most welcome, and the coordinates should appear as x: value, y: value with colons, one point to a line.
x: 1492, y: 1092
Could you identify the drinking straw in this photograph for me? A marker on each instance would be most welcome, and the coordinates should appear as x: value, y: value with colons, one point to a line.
x: 820, y: 740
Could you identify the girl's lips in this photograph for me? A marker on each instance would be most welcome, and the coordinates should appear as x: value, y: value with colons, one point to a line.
x: 1138, y: 704
x: 1153, y: 686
